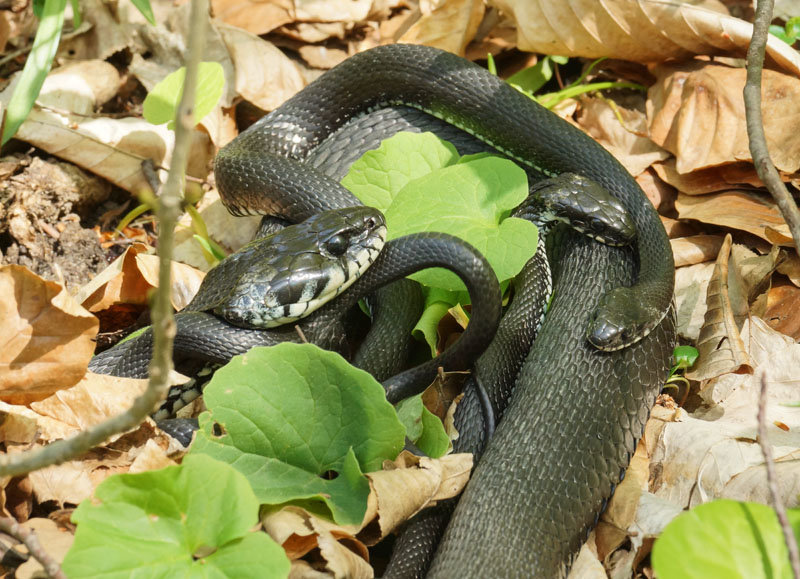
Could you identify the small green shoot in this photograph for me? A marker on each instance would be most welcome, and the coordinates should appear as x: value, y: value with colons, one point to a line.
x: 684, y: 358
x: 161, y: 103
x: 788, y: 33
x: 724, y: 539
x: 302, y: 425
x: 531, y: 79
x: 192, y: 520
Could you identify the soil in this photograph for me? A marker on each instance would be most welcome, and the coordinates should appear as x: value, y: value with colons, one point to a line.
x: 49, y: 212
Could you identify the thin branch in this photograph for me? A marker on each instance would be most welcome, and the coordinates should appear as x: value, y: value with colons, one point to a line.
x: 772, y: 479
x: 755, y: 127
x: 163, y: 323
x: 29, y: 539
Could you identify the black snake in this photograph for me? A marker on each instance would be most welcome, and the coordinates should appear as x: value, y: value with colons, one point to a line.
x: 576, y: 411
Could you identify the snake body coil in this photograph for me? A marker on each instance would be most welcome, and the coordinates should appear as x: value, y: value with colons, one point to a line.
x: 577, y: 412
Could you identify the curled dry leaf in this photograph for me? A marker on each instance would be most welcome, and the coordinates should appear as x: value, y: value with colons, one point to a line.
x: 47, y: 336
x: 447, y: 25
x: 783, y: 310
x: 720, y: 344
x: 622, y: 131
x: 713, y: 452
x: 709, y: 180
x: 255, y: 16
x: 743, y: 210
x: 263, y: 74
x: 637, y: 30
x: 696, y: 111
x: 695, y: 249
x: 131, y: 276
x: 404, y: 487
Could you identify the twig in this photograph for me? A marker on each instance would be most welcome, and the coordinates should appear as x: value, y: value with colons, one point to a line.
x: 755, y: 127
x: 772, y: 482
x: 163, y: 323
x: 29, y: 539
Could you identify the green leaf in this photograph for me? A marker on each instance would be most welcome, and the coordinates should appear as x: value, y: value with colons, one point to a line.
x: 724, y: 539
x: 146, y: 10
x: 36, y: 67
x: 161, y: 104
x: 428, y: 324
x: 192, y: 520
x: 685, y: 356
x: 423, y: 427
x: 290, y: 416
x: 470, y: 200
x: 76, y: 13
x: 379, y: 174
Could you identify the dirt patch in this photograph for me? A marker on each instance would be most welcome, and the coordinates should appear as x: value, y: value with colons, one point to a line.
x: 45, y: 218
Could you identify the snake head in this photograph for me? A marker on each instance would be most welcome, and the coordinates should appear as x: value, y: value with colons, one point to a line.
x: 620, y: 320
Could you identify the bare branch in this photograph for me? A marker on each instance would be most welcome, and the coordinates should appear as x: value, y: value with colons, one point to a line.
x: 755, y: 127
x: 29, y: 539
x: 772, y: 479
x: 163, y: 323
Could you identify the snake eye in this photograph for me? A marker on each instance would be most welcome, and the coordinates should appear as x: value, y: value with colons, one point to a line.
x: 337, y: 245
x: 370, y: 223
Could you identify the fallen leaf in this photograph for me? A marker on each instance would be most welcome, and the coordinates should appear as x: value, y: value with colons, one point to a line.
x: 624, y: 136
x: 711, y: 180
x: 48, y: 336
x: 695, y: 249
x: 696, y: 111
x: 130, y: 277
x: 636, y: 30
x: 744, y: 210
x: 263, y: 75
x: 67, y: 482
x: 447, y: 25
x: 255, y: 16
x: 783, y: 309
x: 713, y: 453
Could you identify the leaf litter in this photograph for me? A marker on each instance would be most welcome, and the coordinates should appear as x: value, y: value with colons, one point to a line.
x: 684, y: 141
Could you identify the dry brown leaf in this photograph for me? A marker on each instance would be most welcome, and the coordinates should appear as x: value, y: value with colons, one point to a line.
x: 186, y: 280
x: 720, y: 346
x: 626, y: 140
x: 80, y: 87
x: 696, y: 111
x: 263, y: 75
x: 783, y: 310
x: 100, y: 35
x: 95, y: 398
x: 695, y: 249
x: 131, y: 276
x: 449, y: 25
x: 691, y: 286
x: 152, y: 457
x: 661, y: 194
x: 412, y: 485
x: 48, y: 336
x: 68, y: 482
x: 713, y: 453
x: 56, y: 541
x: 257, y: 17
x: 709, y: 180
x: 638, y: 30
x: 744, y: 210
x: 229, y: 231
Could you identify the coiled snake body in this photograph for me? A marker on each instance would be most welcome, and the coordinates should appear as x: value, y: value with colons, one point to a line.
x: 576, y: 411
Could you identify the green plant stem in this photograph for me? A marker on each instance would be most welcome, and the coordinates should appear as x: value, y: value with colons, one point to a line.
x: 163, y: 323
x: 552, y: 99
x: 36, y: 67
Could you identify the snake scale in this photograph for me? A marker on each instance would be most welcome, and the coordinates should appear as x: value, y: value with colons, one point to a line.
x: 576, y: 411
